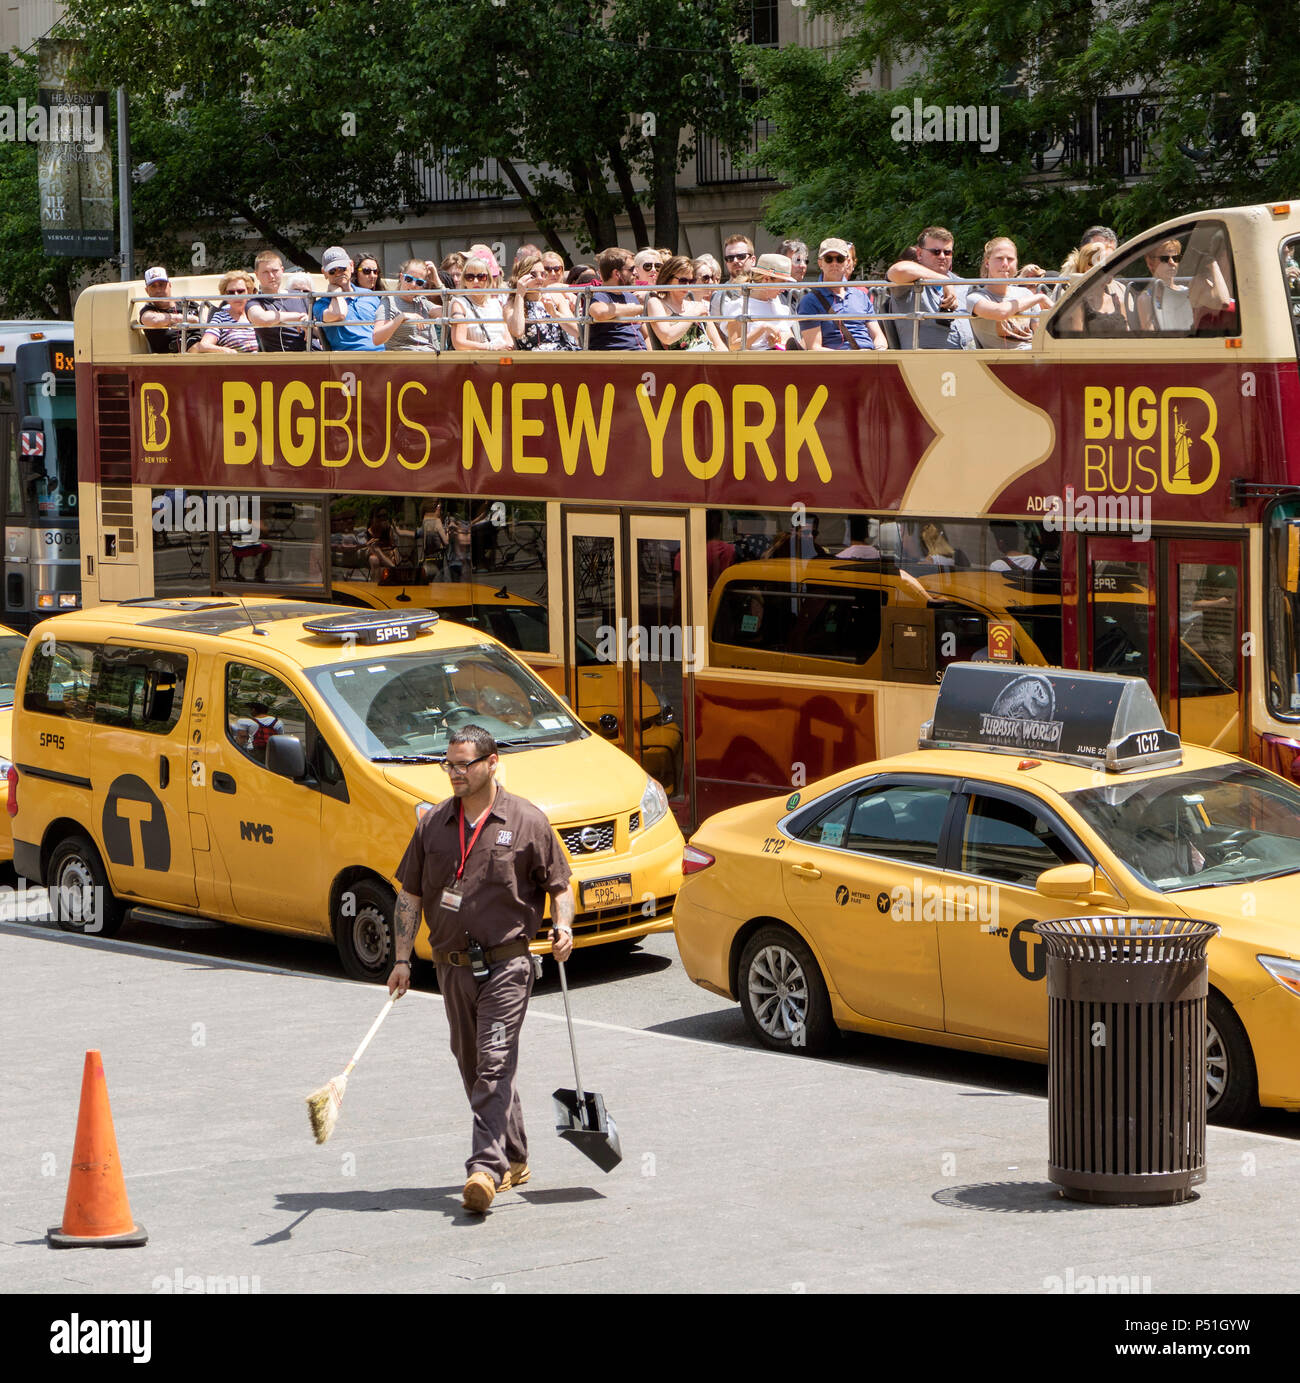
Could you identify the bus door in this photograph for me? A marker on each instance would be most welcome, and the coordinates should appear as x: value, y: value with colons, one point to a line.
x: 1121, y: 624
x: 628, y: 645
x: 1206, y: 652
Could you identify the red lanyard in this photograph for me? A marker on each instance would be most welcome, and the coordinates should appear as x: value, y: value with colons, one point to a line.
x: 464, y: 849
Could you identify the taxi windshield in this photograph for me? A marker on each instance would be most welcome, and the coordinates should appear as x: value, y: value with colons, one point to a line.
x: 1228, y: 824
x: 401, y: 706
x: 11, y: 650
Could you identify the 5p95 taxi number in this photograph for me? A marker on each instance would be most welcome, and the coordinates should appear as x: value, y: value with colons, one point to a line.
x: 605, y: 893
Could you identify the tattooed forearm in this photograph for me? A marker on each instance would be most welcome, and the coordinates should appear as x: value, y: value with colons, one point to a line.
x: 562, y: 909
x: 407, y: 922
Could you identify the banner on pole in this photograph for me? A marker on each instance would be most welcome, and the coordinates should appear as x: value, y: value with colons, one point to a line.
x: 74, y: 159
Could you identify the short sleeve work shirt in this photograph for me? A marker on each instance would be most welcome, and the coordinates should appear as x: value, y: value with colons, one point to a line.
x: 516, y: 861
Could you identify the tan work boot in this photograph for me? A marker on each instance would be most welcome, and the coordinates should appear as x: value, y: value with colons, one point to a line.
x: 479, y: 1193
x: 518, y: 1174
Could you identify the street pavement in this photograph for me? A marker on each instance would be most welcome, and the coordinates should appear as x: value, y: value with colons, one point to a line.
x: 744, y: 1170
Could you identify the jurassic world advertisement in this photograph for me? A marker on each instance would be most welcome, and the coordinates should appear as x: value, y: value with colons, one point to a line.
x: 1079, y: 443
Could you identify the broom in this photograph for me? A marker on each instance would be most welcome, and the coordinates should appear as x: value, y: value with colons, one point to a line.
x: 323, y: 1105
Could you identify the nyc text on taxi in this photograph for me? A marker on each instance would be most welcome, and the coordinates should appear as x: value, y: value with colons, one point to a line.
x: 266, y: 765
x: 900, y: 897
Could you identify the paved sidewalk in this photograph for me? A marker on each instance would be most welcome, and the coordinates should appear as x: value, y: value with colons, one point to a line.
x: 743, y: 1170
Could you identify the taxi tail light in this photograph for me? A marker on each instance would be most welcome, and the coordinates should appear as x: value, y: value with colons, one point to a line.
x: 1282, y: 755
x: 694, y: 859
x: 11, y: 805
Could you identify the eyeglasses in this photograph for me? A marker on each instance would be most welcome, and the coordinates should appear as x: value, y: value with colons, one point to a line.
x: 937, y: 250
x: 1168, y: 259
x: 474, y: 278
x: 833, y: 259
x: 410, y: 278
x: 683, y: 280
x: 370, y: 270
x: 236, y: 292
x: 460, y: 770
x: 651, y: 268
x: 743, y: 255
x: 552, y: 268
x: 341, y: 269
x: 707, y: 278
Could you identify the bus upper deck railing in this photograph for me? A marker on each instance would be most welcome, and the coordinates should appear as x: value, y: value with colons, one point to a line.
x: 578, y: 297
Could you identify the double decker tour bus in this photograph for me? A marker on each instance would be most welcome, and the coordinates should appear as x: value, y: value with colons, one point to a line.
x: 38, y: 441
x: 750, y: 569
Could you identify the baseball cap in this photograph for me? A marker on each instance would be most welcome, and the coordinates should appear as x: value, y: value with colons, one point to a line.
x: 155, y: 275
x: 336, y: 257
x: 773, y: 266
x: 837, y: 247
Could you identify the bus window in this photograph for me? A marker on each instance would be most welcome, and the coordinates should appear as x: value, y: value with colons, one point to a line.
x: 50, y: 481
x: 1291, y: 272
x: 1177, y: 284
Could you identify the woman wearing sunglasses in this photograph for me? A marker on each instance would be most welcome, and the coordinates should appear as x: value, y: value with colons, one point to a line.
x: 229, y: 331
x: 529, y: 317
x: 674, y: 312
x: 1165, y: 305
x: 366, y: 274
x: 477, y: 318
x: 414, y: 313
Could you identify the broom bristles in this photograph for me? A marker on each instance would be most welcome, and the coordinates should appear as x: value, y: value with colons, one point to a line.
x: 323, y: 1107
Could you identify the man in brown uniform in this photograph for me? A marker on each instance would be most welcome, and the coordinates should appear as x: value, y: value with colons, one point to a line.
x: 481, y: 864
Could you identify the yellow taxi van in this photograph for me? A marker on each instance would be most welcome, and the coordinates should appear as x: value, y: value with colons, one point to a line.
x: 265, y: 764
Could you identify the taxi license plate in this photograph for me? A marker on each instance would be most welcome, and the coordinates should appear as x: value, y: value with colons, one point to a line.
x: 604, y: 893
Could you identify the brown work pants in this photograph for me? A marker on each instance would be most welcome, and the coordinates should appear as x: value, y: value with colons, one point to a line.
x: 485, y: 1021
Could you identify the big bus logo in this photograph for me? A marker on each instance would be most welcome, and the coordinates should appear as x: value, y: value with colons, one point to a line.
x: 155, y: 426
x: 1136, y: 441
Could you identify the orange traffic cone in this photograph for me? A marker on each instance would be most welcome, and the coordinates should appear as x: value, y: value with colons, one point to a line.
x: 96, y: 1212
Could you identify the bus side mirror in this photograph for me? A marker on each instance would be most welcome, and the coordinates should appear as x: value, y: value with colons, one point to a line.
x: 33, y: 438
x: 284, y: 755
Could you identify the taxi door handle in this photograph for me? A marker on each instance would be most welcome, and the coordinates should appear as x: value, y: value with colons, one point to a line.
x: 223, y: 782
x: 164, y: 771
x: 805, y: 871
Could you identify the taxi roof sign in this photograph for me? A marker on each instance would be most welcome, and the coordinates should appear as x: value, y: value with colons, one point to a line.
x: 373, y: 626
x: 1089, y: 718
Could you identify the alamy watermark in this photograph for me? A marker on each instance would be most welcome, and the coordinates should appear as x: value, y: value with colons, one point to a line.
x: 1074, y: 513
x: 176, y: 512
x: 70, y: 123
x: 921, y: 124
x: 655, y: 643
x: 193, y: 1284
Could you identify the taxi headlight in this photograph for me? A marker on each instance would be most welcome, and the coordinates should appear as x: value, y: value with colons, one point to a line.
x: 654, y: 803
x: 1284, y: 970
x: 5, y: 766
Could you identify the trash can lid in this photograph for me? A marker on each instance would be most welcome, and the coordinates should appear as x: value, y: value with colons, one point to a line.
x: 1141, y: 940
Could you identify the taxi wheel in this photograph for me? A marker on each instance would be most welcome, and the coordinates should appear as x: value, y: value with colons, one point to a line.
x: 363, y: 930
x: 1229, y: 1065
x: 782, y: 993
x: 80, y: 898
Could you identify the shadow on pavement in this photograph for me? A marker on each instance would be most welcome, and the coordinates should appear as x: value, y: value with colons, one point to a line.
x: 1008, y: 1197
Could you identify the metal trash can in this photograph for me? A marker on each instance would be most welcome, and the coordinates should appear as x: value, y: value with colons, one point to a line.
x: 1126, y: 1057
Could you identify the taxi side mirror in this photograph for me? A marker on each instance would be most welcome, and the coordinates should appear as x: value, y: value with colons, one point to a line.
x: 284, y: 755
x: 1077, y: 883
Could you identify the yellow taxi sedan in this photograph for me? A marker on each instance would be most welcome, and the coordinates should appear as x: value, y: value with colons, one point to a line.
x: 900, y: 897
x: 12, y: 644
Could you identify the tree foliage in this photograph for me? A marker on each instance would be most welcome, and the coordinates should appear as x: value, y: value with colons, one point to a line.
x: 1213, y: 102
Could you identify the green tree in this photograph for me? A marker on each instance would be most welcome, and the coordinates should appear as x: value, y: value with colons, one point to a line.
x: 1215, y: 108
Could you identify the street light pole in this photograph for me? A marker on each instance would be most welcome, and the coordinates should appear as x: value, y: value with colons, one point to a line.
x: 127, y: 229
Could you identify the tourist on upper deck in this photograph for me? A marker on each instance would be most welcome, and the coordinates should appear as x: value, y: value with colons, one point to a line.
x: 847, y: 327
x: 1004, y: 312
x: 228, y: 331
x: 416, y: 313
x: 675, y: 313
x: 163, y: 318
x: 451, y: 267
x: 646, y: 265
x: 1166, y: 305
x: 559, y: 301
x: 1101, y: 311
x: 348, y: 315
x: 484, y: 253
x: 926, y: 285
x: 527, y: 251
x: 797, y: 253
x: 616, y: 313
x: 528, y: 317
x: 771, y: 324
x: 280, y: 321
x: 737, y: 259
x: 478, y: 319
x: 366, y: 275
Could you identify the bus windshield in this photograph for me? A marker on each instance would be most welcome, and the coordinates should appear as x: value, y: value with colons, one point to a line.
x: 50, y: 481
x: 1229, y: 824
x: 404, y: 706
